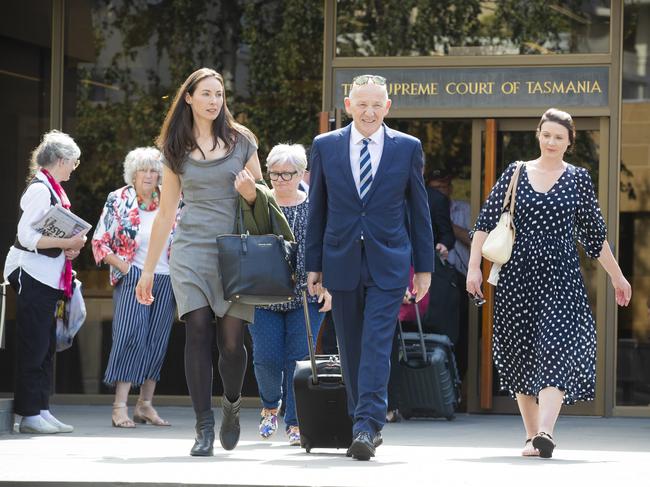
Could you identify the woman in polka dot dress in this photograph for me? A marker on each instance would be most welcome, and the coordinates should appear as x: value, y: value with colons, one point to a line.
x: 544, y: 333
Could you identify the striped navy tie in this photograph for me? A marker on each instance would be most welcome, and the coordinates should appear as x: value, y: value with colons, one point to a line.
x: 365, y: 175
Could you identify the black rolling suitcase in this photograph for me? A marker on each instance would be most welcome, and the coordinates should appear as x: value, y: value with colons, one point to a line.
x: 321, y: 401
x: 429, y: 380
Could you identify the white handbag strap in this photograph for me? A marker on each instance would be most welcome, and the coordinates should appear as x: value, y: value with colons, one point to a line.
x: 512, y: 190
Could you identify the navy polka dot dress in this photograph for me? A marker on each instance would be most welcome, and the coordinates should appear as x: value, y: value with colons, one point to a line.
x: 544, y: 332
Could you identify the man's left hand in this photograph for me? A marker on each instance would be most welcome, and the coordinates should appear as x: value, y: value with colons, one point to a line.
x: 326, y: 299
x: 421, y: 283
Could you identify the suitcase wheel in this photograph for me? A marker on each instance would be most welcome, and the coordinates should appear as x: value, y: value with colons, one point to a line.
x: 304, y: 443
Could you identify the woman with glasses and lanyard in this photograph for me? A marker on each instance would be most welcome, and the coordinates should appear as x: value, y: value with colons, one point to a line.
x: 279, y: 334
x: 39, y: 269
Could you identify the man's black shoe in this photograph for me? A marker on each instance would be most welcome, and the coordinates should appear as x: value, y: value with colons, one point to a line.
x: 362, y: 447
x: 377, y: 441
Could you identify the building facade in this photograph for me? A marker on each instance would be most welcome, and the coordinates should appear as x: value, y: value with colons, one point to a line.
x: 470, y: 78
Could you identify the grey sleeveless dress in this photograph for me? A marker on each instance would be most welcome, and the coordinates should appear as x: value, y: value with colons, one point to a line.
x: 210, y: 201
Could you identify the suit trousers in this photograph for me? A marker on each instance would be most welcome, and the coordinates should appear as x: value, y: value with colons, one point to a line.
x: 365, y: 320
x: 35, y: 342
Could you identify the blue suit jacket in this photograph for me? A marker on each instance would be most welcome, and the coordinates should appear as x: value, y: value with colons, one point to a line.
x: 338, y: 216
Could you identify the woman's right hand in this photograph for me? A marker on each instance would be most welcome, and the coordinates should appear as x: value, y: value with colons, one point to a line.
x: 474, y: 281
x: 144, y: 287
x: 76, y: 242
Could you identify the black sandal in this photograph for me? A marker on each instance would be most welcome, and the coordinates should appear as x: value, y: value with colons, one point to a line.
x: 544, y: 443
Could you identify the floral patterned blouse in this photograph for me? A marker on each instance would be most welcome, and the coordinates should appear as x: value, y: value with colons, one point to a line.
x: 117, y: 229
x: 297, y: 219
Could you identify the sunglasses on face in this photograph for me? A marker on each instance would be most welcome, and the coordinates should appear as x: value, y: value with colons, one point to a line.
x: 285, y: 176
x: 366, y: 78
x: 477, y: 300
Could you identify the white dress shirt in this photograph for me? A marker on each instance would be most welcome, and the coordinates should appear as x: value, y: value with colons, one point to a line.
x: 375, y: 147
x: 35, y: 203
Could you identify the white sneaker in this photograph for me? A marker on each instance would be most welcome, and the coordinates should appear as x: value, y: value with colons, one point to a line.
x: 36, y: 425
x: 61, y: 427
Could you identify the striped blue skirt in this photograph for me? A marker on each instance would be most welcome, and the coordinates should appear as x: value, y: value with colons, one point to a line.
x: 140, y: 332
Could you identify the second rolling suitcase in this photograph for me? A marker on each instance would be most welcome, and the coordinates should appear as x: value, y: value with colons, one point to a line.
x: 321, y: 400
x: 429, y: 383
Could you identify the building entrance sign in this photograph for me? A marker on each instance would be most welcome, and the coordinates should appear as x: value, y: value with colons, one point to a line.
x: 486, y: 87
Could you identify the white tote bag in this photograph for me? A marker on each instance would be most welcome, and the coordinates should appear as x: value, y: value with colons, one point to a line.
x: 497, y: 247
x: 70, y: 318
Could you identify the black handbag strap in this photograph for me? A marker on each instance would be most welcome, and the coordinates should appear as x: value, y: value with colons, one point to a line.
x: 238, y: 227
x: 238, y: 224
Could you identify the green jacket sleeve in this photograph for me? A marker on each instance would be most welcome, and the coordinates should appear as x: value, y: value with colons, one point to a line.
x: 265, y: 216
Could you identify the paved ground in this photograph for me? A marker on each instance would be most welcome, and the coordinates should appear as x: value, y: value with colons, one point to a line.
x: 473, y: 450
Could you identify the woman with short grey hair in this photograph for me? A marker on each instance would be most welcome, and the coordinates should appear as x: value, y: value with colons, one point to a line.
x: 292, y: 154
x: 279, y: 335
x: 39, y: 269
x: 141, y: 159
x: 140, y: 333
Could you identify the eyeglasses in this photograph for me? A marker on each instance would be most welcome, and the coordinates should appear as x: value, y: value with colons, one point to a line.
x: 477, y: 300
x: 76, y: 163
x: 365, y: 78
x: 286, y: 176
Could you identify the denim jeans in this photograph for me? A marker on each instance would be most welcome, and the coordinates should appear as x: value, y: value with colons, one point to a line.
x: 279, y: 339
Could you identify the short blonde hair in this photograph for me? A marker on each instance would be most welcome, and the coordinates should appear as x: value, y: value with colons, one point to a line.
x: 142, y: 158
x: 292, y: 153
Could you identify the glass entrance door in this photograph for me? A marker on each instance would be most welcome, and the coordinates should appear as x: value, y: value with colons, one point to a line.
x: 448, y: 153
x: 515, y: 140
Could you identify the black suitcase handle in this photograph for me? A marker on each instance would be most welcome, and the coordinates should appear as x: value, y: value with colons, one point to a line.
x: 310, y: 340
x: 310, y: 344
x: 421, y: 332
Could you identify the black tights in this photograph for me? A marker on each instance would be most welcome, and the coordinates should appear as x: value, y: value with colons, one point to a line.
x: 199, y: 337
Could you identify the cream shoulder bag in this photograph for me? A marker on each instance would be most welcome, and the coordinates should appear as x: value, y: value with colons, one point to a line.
x: 497, y: 247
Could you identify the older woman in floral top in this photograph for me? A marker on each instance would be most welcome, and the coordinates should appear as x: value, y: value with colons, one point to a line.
x: 140, y: 333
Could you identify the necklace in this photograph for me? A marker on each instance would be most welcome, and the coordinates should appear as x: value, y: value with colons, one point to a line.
x: 294, y: 209
x: 153, y: 204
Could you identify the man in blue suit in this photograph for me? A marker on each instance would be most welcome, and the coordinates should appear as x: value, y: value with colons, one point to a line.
x: 369, y: 222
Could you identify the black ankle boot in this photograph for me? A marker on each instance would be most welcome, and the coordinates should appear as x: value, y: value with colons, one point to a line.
x: 203, y: 444
x: 229, y: 432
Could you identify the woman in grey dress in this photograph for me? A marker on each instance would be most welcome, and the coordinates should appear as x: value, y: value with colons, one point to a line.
x: 211, y: 159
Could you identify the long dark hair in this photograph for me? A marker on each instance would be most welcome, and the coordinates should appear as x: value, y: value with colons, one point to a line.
x: 176, y: 137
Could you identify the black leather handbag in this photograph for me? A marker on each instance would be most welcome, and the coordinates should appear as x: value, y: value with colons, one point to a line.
x: 256, y: 269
